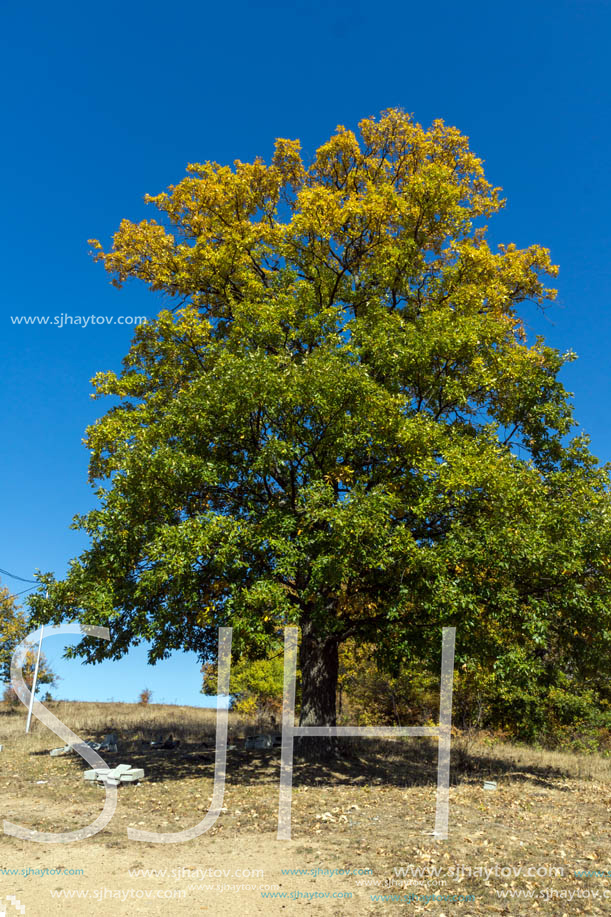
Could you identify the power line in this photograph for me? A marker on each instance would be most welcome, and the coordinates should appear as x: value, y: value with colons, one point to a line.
x: 15, y: 594
x: 21, y: 579
x: 14, y: 576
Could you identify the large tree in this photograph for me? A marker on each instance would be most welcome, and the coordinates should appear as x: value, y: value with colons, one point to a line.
x: 340, y: 424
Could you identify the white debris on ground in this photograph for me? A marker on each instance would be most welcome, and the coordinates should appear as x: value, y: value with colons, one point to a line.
x: 109, y: 744
x: 123, y: 773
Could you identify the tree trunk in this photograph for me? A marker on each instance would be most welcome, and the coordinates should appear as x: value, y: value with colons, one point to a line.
x: 318, y: 661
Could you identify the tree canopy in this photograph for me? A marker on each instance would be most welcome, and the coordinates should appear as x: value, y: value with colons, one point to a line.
x: 341, y: 423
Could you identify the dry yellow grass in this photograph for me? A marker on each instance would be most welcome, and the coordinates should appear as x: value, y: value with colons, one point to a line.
x: 95, y: 718
x: 519, y: 758
x: 550, y: 808
x: 133, y: 722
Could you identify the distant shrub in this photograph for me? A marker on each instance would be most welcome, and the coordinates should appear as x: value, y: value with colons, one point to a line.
x: 256, y: 687
x: 9, y: 697
x: 145, y: 696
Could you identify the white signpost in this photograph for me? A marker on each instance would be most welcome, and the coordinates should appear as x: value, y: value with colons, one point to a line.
x: 29, y: 719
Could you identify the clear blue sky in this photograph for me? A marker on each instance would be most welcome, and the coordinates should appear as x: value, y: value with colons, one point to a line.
x: 102, y: 104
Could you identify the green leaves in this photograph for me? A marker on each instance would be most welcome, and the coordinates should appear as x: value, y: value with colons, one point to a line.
x: 342, y: 423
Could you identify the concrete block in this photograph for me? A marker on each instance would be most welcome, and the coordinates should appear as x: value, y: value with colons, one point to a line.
x: 258, y: 742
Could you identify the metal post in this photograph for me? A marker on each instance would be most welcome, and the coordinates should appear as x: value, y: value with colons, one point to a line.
x: 29, y: 719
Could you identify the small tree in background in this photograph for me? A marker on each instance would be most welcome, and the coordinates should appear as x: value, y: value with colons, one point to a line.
x: 256, y: 686
x: 145, y: 696
x: 14, y: 626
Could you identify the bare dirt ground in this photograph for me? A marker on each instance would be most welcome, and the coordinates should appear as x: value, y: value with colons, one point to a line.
x: 361, y: 831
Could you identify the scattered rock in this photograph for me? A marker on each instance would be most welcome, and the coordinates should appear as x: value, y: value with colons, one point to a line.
x: 169, y: 743
x: 65, y: 750
x: 109, y: 744
x: 124, y: 773
x: 326, y: 816
x: 257, y: 742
